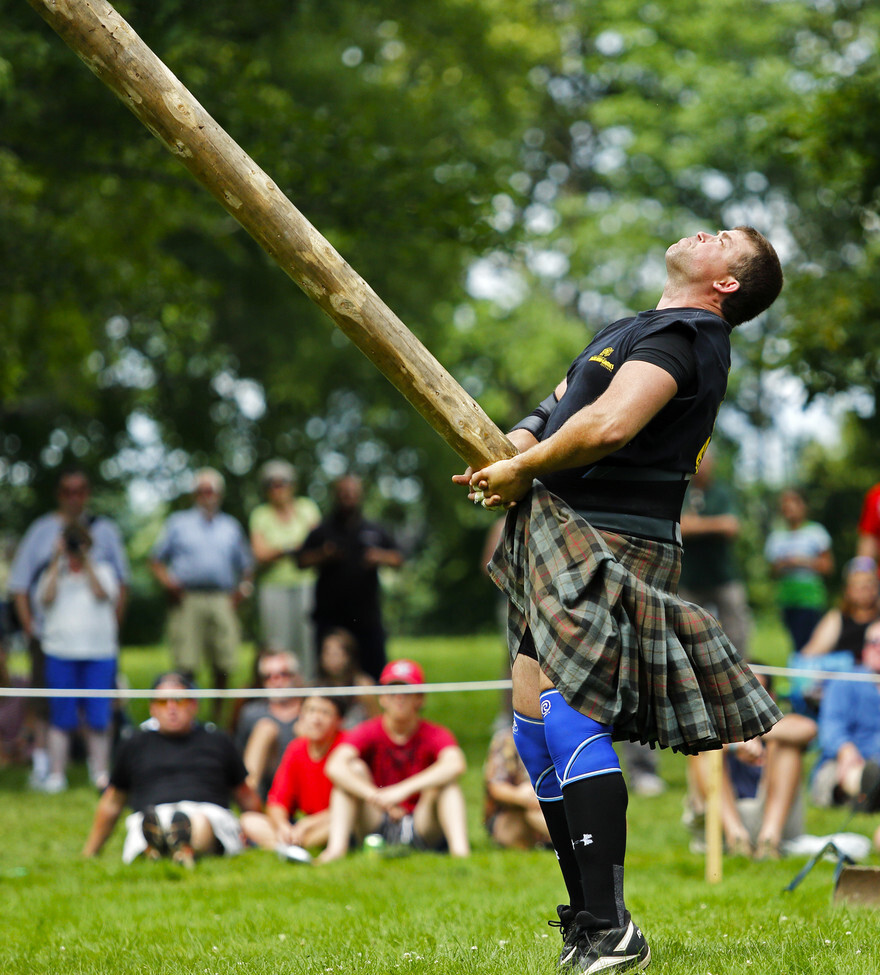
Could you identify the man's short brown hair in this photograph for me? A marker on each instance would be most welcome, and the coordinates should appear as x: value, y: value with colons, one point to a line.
x: 760, y: 280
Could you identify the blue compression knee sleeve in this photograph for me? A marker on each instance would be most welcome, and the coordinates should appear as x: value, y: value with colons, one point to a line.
x: 580, y: 746
x: 528, y: 736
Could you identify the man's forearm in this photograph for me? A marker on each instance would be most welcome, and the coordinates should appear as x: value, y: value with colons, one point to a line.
x: 867, y: 545
x: 109, y: 809
x: 449, y: 766
x: 23, y: 611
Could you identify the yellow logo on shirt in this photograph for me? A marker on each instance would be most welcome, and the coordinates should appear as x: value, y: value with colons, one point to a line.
x: 602, y: 359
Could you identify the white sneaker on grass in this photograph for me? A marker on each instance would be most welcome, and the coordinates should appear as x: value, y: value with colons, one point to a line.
x: 293, y: 853
x: 54, y: 783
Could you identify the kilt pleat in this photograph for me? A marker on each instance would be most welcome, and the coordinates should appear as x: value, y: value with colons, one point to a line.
x: 611, y: 633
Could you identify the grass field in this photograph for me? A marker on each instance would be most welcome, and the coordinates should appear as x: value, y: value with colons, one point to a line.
x: 418, y: 914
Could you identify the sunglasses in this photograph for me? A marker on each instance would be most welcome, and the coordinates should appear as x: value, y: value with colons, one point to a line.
x: 163, y: 702
x: 277, y: 673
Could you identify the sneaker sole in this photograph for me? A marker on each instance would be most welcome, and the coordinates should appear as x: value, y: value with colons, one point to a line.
x: 154, y: 834
x: 608, y: 964
x: 180, y: 832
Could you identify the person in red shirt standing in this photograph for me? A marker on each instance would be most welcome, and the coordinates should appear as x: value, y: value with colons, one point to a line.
x: 300, y: 785
x: 869, y: 525
x: 398, y: 775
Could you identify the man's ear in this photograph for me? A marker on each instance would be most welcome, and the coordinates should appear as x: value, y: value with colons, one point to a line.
x: 726, y: 285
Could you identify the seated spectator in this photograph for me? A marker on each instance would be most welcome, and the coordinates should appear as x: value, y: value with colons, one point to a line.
x: 267, y: 726
x: 836, y: 643
x: 512, y: 814
x: 179, y: 780
x: 398, y: 775
x: 300, y: 785
x: 338, y: 667
x: 843, y: 628
x: 78, y: 599
x: 761, y: 802
x: 849, y: 736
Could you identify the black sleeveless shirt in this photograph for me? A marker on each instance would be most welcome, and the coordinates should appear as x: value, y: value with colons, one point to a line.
x: 645, y: 480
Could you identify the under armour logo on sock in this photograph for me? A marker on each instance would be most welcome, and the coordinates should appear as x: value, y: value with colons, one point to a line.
x: 586, y: 840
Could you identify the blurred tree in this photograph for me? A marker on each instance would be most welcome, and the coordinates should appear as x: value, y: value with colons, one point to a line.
x: 506, y: 176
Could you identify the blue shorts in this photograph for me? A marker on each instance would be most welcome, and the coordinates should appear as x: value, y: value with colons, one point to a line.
x: 80, y: 675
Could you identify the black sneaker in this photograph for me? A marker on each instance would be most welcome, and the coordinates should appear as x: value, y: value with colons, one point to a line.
x: 569, y: 931
x: 602, y: 949
x: 157, y: 842
x: 180, y: 840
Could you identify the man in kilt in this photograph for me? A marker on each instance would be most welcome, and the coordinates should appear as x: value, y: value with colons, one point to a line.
x: 601, y: 645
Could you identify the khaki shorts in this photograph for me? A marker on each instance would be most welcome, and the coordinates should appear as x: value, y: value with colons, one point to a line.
x: 204, y: 626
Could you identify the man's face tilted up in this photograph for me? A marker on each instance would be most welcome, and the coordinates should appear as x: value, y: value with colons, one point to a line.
x: 707, y: 257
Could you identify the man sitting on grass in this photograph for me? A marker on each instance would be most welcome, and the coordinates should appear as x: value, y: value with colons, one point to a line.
x: 301, y: 785
x: 179, y: 780
x: 398, y: 775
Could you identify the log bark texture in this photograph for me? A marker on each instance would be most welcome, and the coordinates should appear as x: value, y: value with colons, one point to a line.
x: 115, y: 53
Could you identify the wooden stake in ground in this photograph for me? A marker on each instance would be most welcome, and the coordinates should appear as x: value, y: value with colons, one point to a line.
x: 114, y: 52
x: 714, y: 833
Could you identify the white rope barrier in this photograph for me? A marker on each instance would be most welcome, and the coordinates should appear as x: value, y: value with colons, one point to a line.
x: 448, y: 687
x: 126, y: 693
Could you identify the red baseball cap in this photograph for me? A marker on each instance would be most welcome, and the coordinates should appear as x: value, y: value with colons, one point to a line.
x: 402, y: 672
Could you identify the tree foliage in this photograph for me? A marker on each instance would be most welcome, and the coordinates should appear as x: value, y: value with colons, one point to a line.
x: 506, y: 176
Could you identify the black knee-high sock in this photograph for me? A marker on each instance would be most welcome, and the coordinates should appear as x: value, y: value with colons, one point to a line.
x: 595, y: 810
x: 560, y: 836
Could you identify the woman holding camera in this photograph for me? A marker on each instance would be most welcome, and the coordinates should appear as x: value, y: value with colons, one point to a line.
x: 80, y: 640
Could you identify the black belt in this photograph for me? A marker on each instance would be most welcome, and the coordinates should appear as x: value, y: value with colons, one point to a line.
x: 642, y: 526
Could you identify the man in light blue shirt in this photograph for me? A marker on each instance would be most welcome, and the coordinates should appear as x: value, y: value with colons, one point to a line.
x: 203, y: 561
x: 32, y: 558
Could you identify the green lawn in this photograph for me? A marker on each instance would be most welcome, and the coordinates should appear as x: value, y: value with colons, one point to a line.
x: 422, y: 913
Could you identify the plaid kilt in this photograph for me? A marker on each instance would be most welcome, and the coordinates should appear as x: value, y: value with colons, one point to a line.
x: 611, y: 633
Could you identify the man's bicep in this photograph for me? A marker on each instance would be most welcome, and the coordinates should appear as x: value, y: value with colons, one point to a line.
x: 637, y: 394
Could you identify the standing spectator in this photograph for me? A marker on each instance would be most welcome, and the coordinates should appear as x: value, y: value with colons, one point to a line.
x: 301, y: 785
x: 278, y: 528
x: 338, y: 667
x: 398, y: 775
x: 512, y: 813
x: 32, y: 558
x: 869, y: 525
x: 849, y: 735
x: 267, y: 726
x: 710, y: 575
x: 179, y: 779
x: 78, y: 598
x: 799, y: 553
x: 348, y: 551
x: 203, y: 561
